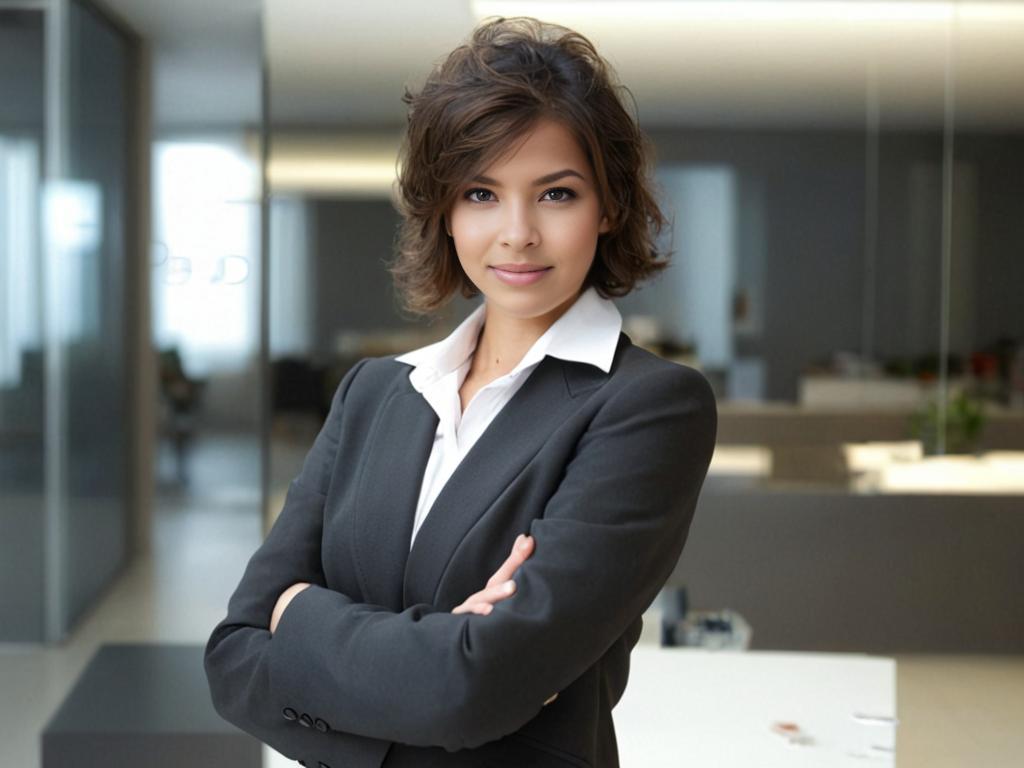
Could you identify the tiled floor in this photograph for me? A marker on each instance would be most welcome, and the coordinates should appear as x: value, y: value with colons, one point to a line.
x: 954, y: 711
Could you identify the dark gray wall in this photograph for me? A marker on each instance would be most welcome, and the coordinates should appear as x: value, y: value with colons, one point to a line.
x: 814, y: 214
x: 351, y: 241
x: 841, y: 572
x: 999, y: 273
x: 21, y: 74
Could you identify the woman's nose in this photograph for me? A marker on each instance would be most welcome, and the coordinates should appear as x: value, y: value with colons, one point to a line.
x: 518, y: 228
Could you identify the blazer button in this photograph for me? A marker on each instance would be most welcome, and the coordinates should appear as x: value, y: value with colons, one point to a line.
x: 322, y: 725
x: 289, y: 714
x: 306, y: 720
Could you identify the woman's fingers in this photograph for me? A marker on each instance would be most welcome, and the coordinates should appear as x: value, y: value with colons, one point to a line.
x: 500, y: 585
x: 482, y: 608
x: 487, y: 597
x: 522, y: 548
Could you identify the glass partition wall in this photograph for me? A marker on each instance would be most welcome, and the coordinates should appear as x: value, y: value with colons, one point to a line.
x: 22, y: 401
x: 65, y: 138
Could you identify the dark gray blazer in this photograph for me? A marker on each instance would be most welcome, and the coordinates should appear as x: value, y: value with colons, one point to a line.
x: 369, y: 667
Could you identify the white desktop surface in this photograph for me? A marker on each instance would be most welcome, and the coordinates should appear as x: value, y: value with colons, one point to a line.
x: 692, y: 707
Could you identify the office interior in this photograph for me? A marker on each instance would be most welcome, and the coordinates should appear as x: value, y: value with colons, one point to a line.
x: 196, y: 211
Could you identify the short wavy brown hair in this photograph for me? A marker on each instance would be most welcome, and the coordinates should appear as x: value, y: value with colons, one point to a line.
x: 473, y: 107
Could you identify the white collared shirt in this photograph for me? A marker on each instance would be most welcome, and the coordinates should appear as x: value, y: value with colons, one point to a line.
x: 587, y: 332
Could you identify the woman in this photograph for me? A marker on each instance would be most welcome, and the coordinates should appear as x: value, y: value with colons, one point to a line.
x: 380, y: 623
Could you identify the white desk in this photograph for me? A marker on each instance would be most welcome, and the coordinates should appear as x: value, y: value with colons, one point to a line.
x: 714, y: 709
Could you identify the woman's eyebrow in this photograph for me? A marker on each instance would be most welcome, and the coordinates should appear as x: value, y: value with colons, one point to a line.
x: 542, y: 180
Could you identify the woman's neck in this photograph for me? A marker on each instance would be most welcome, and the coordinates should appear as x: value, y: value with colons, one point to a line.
x: 505, y: 339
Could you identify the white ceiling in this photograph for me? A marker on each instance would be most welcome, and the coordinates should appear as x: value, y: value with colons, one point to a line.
x: 686, y: 62
x: 344, y: 63
x: 207, y: 56
x: 347, y: 62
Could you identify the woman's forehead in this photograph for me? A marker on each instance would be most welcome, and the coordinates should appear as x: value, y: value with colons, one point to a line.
x: 546, y: 142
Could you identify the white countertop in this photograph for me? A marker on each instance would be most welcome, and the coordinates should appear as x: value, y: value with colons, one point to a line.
x: 694, y: 707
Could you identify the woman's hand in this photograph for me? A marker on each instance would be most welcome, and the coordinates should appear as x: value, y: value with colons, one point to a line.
x: 282, y: 603
x: 500, y: 585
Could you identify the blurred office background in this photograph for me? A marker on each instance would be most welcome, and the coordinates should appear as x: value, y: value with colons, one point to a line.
x: 195, y: 214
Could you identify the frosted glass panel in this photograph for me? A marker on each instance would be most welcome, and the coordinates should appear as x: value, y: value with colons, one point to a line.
x: 21, y: 354
x: 90, y: 294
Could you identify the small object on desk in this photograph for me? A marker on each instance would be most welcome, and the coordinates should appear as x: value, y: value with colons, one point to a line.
x: 880, y: 728
x: 720, y: 630
x: 867, y: 719
x: 792, y: 733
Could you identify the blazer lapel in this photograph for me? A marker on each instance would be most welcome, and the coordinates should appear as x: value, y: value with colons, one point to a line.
x: 387, y: 494
x: 515, y: 435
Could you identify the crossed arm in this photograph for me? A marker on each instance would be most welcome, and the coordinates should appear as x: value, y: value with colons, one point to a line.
x: 499, y: 587
x: 607, y: 540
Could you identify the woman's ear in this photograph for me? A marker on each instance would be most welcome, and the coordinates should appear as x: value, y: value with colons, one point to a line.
x: 604, y: 226
x: 447, y: 226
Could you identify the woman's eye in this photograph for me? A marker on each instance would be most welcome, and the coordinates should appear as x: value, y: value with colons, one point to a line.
x: 560, y: 194
x: 556, y: 195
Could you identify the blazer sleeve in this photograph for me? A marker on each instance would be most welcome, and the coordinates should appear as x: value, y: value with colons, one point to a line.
x: 235, y: 658
x: 607, y: 541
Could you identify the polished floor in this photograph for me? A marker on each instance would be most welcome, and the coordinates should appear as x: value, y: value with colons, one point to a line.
x: 954, y: 710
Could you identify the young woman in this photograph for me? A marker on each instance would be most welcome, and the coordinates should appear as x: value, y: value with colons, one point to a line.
x: 458, y: 574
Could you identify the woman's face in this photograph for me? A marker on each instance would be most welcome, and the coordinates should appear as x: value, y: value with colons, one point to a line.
x: 537, y: 208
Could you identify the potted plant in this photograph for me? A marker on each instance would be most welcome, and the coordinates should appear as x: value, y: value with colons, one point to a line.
x: 965, y: 421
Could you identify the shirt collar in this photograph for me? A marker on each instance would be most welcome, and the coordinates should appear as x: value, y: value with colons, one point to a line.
x: 588, y: 332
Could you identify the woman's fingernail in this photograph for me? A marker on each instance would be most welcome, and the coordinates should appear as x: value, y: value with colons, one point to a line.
x: 509, y: 586
x: 524, y: 543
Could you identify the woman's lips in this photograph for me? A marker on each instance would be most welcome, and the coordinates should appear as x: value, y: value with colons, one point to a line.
x: 519, y: 278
